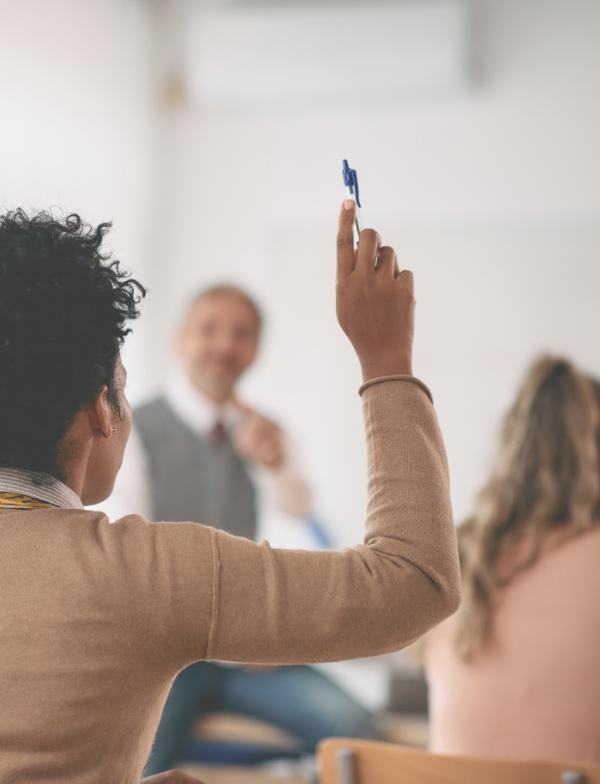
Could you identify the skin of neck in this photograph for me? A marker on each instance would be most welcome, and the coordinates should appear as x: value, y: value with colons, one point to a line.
x: 218, y: 392
x: 76, y: 468
x: 93, y: 446
x: 77, y: 450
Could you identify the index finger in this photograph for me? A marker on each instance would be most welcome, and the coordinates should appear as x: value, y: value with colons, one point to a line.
x: 345, y: 239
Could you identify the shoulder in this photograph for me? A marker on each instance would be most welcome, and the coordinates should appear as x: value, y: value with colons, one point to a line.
x: 137, y: 528
x: 137, y: 525
x: 563, y: 582
x: 158, y: 579
x: 164, y: 551
x: 577, y: 552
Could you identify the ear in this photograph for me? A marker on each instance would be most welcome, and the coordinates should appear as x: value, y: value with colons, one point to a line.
x: 100, y: 413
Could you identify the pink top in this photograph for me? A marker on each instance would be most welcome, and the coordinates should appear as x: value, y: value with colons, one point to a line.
x: 536, y: 694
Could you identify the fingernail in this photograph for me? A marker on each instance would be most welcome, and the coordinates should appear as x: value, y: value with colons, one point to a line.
x: 348, y: 204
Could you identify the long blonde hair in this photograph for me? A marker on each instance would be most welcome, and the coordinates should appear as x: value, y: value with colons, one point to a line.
x: 546, y: 475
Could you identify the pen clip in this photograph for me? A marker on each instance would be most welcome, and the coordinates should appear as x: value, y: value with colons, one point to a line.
x: 351, y: 181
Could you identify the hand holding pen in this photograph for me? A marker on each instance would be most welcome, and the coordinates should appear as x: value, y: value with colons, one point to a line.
x: 374, y: 300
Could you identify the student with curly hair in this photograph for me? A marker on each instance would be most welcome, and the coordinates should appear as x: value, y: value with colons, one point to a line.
x: 98, y: 618
x: 514, y: 673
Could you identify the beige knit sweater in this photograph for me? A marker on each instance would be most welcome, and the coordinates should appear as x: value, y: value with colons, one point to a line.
x: 97, y: 619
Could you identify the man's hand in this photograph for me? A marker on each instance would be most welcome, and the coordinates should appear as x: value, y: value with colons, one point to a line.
x: 171, y: 777
x: 375, y: 302
x: 260, y: 440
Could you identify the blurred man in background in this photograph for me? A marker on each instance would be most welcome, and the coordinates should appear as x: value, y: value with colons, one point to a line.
x: 198, y: 454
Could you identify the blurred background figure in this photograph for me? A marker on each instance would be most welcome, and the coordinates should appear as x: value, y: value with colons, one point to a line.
x: 197, y: 451
x: 514, y: 673
x: 195, y: 455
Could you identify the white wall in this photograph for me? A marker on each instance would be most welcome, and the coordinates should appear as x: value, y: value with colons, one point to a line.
x: 78, y: 119
x: 493, y: 201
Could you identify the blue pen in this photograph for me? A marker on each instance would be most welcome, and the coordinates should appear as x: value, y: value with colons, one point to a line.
x: 351, y: 183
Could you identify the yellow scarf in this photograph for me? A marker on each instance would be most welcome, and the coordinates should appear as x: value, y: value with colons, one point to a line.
x: 20, y: 501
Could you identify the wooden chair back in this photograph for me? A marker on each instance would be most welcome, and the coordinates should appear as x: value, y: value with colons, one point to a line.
x: 349, y: 761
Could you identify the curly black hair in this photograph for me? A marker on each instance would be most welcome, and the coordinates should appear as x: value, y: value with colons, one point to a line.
x: 64, y: 308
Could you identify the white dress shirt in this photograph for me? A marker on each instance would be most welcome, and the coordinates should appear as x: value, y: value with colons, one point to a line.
x: 282, y: 487
x: 42, y: 487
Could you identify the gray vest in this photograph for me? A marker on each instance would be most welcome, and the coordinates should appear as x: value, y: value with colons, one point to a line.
x: 192, y: 479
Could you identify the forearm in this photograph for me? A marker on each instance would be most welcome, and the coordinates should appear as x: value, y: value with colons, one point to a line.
x: 409, y: 512
x: 277, y: 606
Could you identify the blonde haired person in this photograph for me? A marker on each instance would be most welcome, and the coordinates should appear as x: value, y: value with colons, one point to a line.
x: 515, y: 672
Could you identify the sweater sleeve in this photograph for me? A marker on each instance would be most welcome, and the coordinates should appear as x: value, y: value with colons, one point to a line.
x: 287, y: 606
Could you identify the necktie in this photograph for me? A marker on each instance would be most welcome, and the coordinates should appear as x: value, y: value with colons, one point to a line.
x: 218, y: 435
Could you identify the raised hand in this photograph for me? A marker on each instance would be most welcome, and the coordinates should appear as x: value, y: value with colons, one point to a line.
x: 260, y: 440
x: 374, y: 301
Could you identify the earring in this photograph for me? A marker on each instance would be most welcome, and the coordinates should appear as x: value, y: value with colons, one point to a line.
x: 112, y: 429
